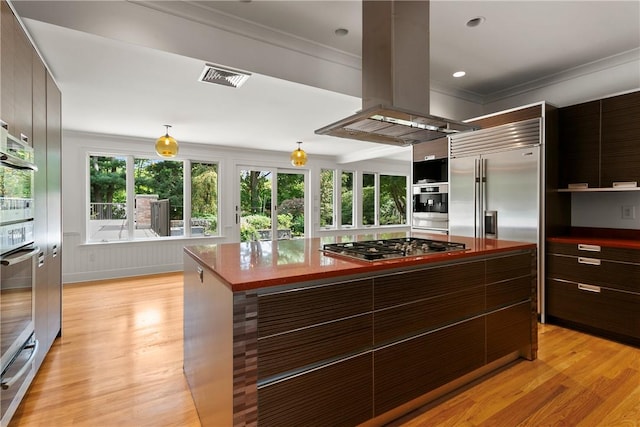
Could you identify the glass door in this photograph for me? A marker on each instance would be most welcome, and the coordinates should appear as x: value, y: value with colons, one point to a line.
x: 291, y: 204
x: 269, y: 208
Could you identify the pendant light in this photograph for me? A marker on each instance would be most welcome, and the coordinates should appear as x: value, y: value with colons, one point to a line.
x: 298, y: 157
x: 167, y: 146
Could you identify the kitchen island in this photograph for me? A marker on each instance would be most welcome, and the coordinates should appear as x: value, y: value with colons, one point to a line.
x: 280, y: 333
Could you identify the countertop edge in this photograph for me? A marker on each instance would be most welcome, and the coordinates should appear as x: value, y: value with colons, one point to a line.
x: 614, y: 243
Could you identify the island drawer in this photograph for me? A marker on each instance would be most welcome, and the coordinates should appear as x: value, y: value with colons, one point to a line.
x: 307, y: 306
x: 407, y: 287
x: 594, y: 271
x: 337, y: 394
x: 293, y: 350
x: 507, y: 292
x: 594, y: 251
x: 509, y: 330
x: 411, y: 368
x: 601, y: 308
x: 405, y: 320
x: 509, y: 267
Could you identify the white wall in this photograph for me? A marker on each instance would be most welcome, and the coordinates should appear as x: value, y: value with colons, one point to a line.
x: 94, y: 261
x: 604, y: 210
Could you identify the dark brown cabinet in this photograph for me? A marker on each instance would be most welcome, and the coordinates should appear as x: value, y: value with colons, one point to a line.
x: 579, y: 129
x: 599, y: 142
x: 621, y: 139
x: 298, y: 329
x: 409, y: 369
x: 414, y: 330
x: 345, y: 351
x: 595, y: 289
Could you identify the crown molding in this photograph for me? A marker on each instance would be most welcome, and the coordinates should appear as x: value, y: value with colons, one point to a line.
x: 205, y: 15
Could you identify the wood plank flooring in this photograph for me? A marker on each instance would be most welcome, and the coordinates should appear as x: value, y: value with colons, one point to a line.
x: 119, y: 363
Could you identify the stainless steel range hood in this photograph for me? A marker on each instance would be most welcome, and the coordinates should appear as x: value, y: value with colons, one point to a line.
x: 395, y: 79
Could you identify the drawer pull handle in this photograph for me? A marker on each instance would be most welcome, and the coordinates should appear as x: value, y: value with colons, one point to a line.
x: 588, y: 261
x: 590, y: 248
x: 589, y: 288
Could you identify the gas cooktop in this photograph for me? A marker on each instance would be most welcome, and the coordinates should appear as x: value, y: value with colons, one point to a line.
x: 375, y: 250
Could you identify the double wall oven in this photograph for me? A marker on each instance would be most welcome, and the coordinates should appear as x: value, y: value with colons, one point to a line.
x: 18, y: 255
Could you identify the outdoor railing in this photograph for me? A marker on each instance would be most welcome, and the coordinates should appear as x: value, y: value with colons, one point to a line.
x: 99, y: 211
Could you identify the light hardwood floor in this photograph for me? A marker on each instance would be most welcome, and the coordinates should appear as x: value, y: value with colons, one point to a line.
x: 119, y: 363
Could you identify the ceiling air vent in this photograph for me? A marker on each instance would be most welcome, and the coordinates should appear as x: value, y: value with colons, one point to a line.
x: 223, y: 76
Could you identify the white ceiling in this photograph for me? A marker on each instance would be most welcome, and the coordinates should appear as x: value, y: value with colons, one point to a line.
x: 128, y: 67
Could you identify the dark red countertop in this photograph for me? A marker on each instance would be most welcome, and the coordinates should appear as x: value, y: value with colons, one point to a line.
x: 609, y: 237
x: 254, y: 265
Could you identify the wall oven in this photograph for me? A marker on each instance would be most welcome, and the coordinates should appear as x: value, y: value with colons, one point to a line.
x: 431, y: 207
x: 17, y: 273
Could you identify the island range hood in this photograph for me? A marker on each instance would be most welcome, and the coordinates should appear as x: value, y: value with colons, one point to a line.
x: 395, y: 79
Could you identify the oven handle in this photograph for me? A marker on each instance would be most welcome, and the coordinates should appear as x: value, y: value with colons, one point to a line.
x: 16, y: 162
x: 6, y: 384
x: 13, y: 260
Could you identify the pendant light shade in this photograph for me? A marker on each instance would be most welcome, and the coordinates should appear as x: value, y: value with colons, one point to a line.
x: 167, y: 146
x: 298, y: 157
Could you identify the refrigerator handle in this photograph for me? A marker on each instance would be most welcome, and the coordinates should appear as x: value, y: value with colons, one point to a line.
x: 486, y: 229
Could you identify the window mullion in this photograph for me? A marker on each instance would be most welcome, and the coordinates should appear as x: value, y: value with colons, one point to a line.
x: 186, y: 198
x: 131, y: 198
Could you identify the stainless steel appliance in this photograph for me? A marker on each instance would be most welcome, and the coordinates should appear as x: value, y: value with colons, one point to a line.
x: 495, y: 186
x: 494, y: 183
x: 395, y: 79
x: 17, y: 274
x: 431, y: 207
x: 376, y: 250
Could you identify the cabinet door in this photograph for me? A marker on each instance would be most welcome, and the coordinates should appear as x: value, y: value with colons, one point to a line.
x: 7, y: 52
x: 301, y: 327
x: 594, y: 271
x: 604, y: 309
x: 579, y: 131
x: 430, y: 150
x: 509, y: 330
x: 23, y: 91
x: 39, y: 142
x: 337, y: 394
x: 411, y: 368
x: 54, y: 206
x: 620, y: 139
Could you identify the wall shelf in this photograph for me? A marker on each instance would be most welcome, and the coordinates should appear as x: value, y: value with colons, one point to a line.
x: 597, y: 190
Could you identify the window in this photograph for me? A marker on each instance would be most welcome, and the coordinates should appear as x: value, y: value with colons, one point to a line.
x: 139, y: 198
x: 326, y: 198
x: 368, y: 199
x: 393, y: 200
x: 204, y: 199
x: 158, y: 199
x: 346, y: 199
x: 107, y: 198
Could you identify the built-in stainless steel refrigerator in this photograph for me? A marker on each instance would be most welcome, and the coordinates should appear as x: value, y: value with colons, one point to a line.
x: 495, y: 181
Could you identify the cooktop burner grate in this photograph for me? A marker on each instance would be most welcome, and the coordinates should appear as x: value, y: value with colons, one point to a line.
x: 373, y: 250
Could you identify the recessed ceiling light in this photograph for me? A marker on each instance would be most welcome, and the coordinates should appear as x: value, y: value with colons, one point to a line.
x: 459, y: 74
x: 341, y: 32
x: 474, y: 22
